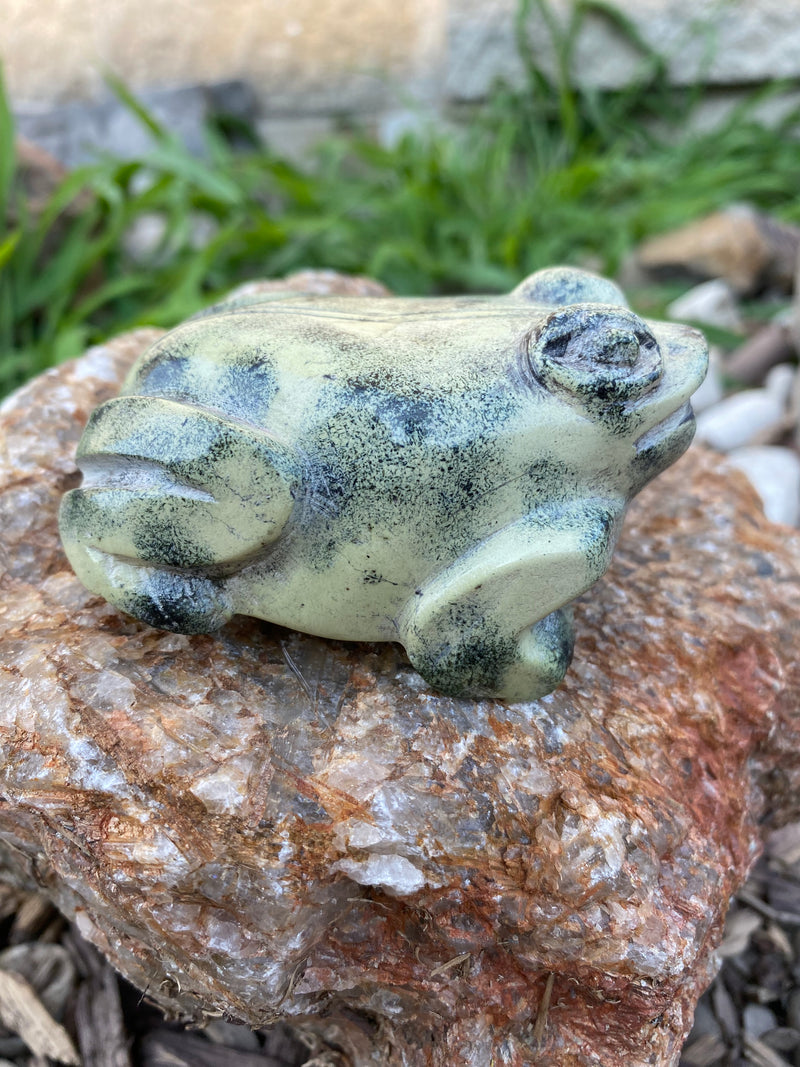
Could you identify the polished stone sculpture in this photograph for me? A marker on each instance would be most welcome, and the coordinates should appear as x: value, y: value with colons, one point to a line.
x: 446, y: 473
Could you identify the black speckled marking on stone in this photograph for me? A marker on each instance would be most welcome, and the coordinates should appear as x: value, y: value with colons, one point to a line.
x: 591, y: 520
x: 555, y: 638
x: 179, y: 603
x: 588, y: 375
x: 167, y: 375
x: 548, y: 484
x: 79, y: 515
x: 374, y: 480
x: 473, y: 666
x: 476, y: 664
x: 597, y: 527
x: 244, y: 386
x: 159, y: 539
x: 557, y: 286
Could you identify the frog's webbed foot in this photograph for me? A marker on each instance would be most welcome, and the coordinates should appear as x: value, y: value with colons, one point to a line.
x: 496, y: 623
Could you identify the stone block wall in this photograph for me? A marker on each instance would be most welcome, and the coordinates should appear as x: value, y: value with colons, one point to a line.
x: 308, y: 54
x: 310, y: 61
x: 731, y: 43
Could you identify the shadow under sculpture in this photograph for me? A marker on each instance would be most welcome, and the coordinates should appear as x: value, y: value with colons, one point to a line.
x: 448, y: 473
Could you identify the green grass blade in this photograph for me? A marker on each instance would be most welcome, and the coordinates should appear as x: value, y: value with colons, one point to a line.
x: 134, y: 105
x: 7, y: 151
x: 174, y: 160
x: 7, y: 246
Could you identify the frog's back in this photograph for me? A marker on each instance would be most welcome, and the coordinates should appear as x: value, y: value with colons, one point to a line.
x: 238, y: 361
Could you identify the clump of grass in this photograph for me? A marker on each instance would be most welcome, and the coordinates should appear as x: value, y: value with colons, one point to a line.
x: 547, y: 174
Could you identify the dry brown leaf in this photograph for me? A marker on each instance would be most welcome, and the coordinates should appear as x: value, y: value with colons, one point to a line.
x: 456, y: 961
x: 33, y: 913
x: 738, y: 930
x: 22, y: 1012
x: 705, y: 1051
x: 162, y: 1048
x: 10, y: 898
x: 780, y: 940
x: 761, y: 1055
x: 99, y: 1022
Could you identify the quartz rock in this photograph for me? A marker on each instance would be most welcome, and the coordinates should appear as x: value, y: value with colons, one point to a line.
x: 261, y: 823
x: 780, y: 382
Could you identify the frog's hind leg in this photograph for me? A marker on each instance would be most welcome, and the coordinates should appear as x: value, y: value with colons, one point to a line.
x: 495, y: 623
x: 176, y: 499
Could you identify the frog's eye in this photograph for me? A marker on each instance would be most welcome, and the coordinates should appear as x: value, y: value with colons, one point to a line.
x: 596, y: 352
x: 562, y: 286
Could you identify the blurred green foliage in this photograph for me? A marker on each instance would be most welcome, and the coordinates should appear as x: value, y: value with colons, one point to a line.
x: 552, y: 173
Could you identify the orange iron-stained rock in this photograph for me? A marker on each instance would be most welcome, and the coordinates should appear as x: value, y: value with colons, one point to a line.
x: 262, y: 823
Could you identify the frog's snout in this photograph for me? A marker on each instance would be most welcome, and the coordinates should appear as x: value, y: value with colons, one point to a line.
x: 667, y: 422
x: 685, y: 366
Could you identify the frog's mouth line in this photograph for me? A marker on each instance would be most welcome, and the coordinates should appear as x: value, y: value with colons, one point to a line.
x: 214, y: 572
x: 666, y: 428
x: 136, y: 474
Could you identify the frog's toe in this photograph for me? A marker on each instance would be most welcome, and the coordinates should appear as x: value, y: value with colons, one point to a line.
x: 462, y: 665
x: 558, y: 286
x: 492, y: 662
x: 544, y: 654
x: 184, y: 604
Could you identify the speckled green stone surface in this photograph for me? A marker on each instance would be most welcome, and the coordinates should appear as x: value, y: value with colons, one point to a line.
x: 447, y: 473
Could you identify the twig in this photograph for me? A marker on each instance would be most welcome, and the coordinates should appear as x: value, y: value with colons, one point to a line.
x: 544, y: 1008
x: 454, y: 962
x: 783, y: 918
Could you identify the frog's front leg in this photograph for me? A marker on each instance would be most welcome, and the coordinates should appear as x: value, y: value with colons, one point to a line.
x: 495, y: 623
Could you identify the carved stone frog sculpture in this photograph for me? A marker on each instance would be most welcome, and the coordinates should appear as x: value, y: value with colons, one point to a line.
x: 448, y: 473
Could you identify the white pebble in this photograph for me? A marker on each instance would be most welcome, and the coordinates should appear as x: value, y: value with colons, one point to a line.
x: 737, y: 419
x: 774, y: 473
x: 713, y: 303
x: 779, y: 382
x: 711, y: 390
x: 145, y: 236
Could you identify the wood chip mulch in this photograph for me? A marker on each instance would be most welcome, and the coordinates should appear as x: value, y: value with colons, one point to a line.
x: 751, y: 1014
x: 61, y: 1003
